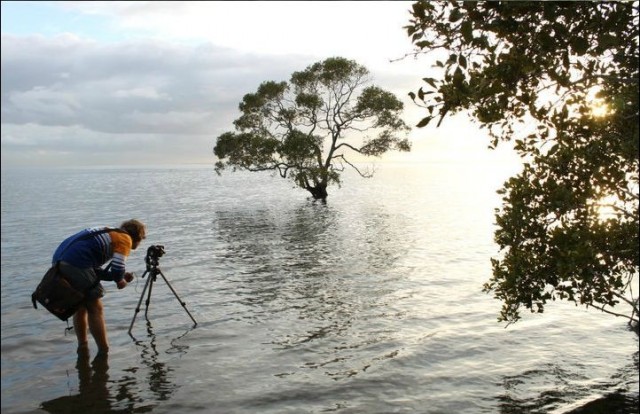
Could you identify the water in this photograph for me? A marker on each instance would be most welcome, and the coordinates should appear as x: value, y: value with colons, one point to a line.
x: 370, y: 303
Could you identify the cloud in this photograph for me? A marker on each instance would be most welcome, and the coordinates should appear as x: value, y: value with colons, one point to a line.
x: 162, y: 80
x: 135, y: 87
x: 69, y: 81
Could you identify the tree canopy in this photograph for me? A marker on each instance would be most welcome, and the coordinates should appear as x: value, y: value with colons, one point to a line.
x: 559, y: 80
x: 308, y: 128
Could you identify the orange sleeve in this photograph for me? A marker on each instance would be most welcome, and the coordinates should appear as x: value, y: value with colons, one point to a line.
x: 122, y: 243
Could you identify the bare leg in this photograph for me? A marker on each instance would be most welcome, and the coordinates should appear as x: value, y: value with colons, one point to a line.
x: 97, y: 325
x: 81, y: 327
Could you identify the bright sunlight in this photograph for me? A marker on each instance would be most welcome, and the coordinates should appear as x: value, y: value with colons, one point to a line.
x: 599, y: 108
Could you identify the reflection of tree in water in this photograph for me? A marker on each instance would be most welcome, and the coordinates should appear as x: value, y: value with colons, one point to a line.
x: 324, y: 270
x: 97, y: 394
x: 308, y: 242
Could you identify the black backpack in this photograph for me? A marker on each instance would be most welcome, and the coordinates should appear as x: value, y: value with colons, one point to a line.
x: 56, y: 294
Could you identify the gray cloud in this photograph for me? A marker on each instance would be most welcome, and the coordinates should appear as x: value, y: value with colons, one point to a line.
x: 69, y: 96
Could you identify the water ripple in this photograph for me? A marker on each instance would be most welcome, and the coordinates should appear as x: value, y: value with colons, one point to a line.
x: 370, y: 303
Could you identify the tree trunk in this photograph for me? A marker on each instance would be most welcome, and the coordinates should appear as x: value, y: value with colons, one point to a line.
x: 319, y: 192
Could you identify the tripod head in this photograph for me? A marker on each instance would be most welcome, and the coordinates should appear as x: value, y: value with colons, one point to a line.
x: 154, y: 253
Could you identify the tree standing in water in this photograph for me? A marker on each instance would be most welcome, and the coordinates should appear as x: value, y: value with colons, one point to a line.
x: 300, y: 129
x: 559, y: 80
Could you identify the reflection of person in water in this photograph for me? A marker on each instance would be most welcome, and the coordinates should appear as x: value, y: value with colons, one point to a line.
x: 93, y: 396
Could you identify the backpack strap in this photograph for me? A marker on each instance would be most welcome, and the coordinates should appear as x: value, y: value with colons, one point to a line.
x: 88, y: 236
x: 91, y: 234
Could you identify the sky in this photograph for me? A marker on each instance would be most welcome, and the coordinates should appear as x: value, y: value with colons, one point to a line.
x: 156, y: 82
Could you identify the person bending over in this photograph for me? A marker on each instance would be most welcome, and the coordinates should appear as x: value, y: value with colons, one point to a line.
x: 81, y: 258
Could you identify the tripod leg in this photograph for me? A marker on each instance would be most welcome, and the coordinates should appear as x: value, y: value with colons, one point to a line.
x: 139, y: 302
x: 177, y: 297
x: 152, y: 277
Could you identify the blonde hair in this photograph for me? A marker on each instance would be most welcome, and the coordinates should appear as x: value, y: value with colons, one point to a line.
x: 135, y: 228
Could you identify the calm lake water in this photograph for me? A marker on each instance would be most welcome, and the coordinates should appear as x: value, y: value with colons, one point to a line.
x: 370, y: 303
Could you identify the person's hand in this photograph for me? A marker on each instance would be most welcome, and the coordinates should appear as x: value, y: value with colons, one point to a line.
x: 121, y: 284
x: 128, y: 277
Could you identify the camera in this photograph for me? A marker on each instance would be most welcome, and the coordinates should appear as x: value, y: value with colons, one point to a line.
x: 153, y: 254
x: 155, y: 251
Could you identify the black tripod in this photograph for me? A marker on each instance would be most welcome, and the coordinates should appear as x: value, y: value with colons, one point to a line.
x: 151, y: 259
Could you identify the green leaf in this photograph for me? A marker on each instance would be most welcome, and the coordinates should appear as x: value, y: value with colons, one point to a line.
x: 580, y: 45
x: 455, y: 15
x: 424, y: 122
x: 462, y: 61
x: 607, y: 41
x: 430, y: 81
x: 467, y: 31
